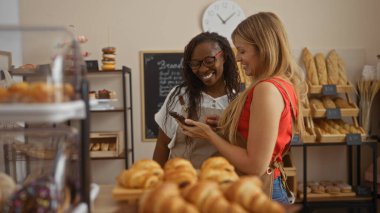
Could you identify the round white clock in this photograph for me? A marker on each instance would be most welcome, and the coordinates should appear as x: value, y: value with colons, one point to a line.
x: 222, y: 16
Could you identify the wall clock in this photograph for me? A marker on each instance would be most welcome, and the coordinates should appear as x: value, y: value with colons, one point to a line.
x: 222, y: 16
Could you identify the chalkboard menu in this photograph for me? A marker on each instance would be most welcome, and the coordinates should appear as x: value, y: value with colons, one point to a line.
x: 161, y: 71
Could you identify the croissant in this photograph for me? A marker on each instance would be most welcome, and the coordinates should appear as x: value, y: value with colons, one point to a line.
x: 217, y: 163
x: 140, y: 179
x: 207, y: 197
x: 146, y: 164
x: 180, y: 171
x: 248, y: 193
x: 164, y: 198
x: 220, y: 176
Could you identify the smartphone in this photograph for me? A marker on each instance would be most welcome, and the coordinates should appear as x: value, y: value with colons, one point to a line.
x: 178, y: 117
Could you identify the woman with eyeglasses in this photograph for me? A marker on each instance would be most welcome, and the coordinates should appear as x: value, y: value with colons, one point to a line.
x: 210, y: 81
x: 257, y: 126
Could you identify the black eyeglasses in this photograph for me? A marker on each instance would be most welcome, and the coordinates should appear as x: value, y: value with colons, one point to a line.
x: 208, y: 61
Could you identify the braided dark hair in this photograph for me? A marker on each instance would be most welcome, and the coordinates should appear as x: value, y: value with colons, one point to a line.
x: 194, y: 86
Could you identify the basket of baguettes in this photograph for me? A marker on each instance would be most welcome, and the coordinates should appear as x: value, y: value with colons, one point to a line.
x: 323, y: 71
x: 178, y: 187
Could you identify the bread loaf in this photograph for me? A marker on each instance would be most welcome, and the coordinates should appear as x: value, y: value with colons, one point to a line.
x: 321, y: 68
x: 341, y: 103
x: 328, y: 103
x: 332, y: 67
x: 311, y: 69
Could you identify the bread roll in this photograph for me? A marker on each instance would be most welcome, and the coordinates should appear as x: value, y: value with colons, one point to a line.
x: 332, y: 67
x: 321, y: 68
x: 311, y: 69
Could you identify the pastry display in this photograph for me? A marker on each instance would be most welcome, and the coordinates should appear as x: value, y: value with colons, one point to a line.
x: 34, y: 150
x: 109, y: 58
x: 36, y: 92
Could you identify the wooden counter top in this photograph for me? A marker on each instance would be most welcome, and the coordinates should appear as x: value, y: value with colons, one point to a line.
x: 105, y: 202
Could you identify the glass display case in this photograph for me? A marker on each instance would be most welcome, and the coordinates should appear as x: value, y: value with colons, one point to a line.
x: 44, y: 123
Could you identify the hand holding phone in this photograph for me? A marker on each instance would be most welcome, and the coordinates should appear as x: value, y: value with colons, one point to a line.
x: 178, y: 117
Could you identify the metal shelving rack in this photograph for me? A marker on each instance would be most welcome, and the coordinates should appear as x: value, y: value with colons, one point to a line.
x: 126, y: 109
x: 351, y: 202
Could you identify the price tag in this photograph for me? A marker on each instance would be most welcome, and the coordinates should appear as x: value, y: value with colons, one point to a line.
x: 333, y: 113
x: 295, y: 140
x: 353, y: 139
x: 92, y: 65
x: 329, y: 89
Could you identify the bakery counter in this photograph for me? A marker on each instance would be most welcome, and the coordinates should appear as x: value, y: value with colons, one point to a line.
x: 105, y: 202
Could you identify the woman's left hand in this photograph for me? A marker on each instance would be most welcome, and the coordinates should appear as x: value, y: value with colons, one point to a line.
x: 196, y: 129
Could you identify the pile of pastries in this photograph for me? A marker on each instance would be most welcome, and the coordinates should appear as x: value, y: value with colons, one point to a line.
x: 178, y: 187
x: 36, y: 92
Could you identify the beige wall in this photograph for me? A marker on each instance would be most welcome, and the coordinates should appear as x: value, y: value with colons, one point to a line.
x: 135, y: 25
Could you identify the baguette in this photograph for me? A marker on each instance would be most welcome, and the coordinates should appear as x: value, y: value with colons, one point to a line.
x: 310, y: 67
x: 321, y: 68
x: 332, y: 67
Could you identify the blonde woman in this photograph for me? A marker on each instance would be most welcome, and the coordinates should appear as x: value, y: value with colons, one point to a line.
x: 262, y: 114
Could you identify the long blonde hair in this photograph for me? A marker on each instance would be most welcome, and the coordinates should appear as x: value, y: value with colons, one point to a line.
x: 267, y: 34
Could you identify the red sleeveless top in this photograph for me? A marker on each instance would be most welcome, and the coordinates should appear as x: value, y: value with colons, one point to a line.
x: 285, y: 126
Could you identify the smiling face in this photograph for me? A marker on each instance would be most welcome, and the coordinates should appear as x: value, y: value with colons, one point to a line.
x: 248, y: 57
x: 212, y: 75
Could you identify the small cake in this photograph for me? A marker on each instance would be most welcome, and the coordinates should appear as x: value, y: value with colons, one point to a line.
x: 92, y: 95
x: 104, y: 94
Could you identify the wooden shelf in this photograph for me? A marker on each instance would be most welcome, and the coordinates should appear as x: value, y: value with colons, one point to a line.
x: 102, y: 72
x: 121, y: 156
